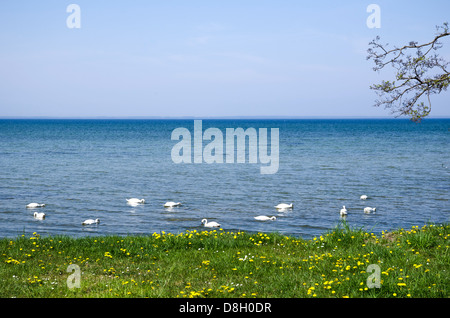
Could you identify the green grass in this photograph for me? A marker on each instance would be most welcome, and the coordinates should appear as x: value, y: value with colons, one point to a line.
x: 412, y: 263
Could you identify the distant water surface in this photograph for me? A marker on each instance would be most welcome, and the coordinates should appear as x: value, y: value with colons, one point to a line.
x: 87, y: 168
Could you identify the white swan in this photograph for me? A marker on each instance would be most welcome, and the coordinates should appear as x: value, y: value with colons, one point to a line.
x: 210, y: 224
x: 90, y: 221
x: 343, y: 211
x: 363, y: 197
x: 39, y: 216
x: 171, y: 204
x: 369, y: 209
x: 35, y: 205
x: 265, y: 218
x: 284, y: 206
x: 135, y: 201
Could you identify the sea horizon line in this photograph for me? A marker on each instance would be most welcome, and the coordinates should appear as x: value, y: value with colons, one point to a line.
x: 207, y: 117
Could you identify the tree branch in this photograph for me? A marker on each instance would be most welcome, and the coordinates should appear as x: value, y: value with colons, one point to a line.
x: 418, y: 75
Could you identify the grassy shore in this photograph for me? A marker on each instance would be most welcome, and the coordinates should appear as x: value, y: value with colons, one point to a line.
x: 218, y: 263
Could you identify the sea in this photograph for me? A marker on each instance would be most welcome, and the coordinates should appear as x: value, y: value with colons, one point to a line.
x: 87, y: 168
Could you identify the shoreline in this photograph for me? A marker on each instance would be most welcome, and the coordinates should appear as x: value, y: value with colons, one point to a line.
x: 221, y: 264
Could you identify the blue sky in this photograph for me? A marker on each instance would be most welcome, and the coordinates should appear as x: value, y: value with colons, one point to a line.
x: 203, y: 58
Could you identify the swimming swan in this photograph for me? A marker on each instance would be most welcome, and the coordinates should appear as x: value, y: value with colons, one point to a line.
x: 369, y: 209
x: 134, y: 201
x: 343, y: 211
x: 363, y: 197
x: 90, y: 221
x: 171, y: 204
x: 210, y: 224
x: 39, y: 216
x: 265, y: 218
x: 284, y: 206
x: 35, y: 205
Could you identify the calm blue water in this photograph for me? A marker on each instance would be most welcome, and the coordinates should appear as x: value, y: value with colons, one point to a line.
x: 87, y: 168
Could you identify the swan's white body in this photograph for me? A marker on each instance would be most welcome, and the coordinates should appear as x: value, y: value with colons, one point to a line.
x: 210, y: 224
x: 171, y: 204
x: 343, y: 211
x: 284, y: 206
x: 35, y: 205
x: 363, y: 197
x: 39, y: 215
x: 90, y: 221
x: 369, y: 209
x: 135, y: 201
x: 265, y: 218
